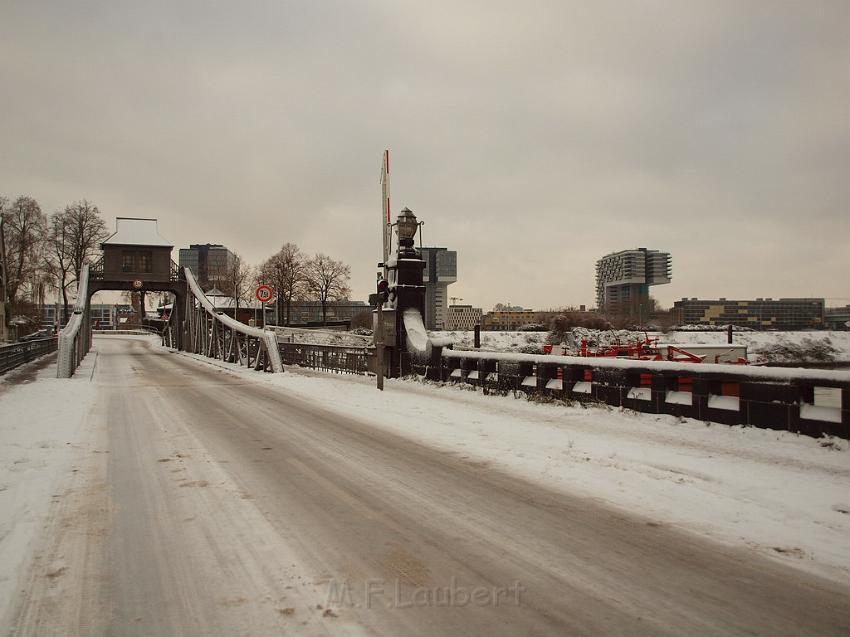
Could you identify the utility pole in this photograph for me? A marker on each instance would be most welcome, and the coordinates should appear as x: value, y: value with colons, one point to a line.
x: 3, y: 331
x: 379, y: 345
x: 381, y: 297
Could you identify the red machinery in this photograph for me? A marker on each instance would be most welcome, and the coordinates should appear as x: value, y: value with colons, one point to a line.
x: 644, y: 350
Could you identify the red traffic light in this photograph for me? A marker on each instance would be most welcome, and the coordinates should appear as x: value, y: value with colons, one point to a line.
x: 383, y: 290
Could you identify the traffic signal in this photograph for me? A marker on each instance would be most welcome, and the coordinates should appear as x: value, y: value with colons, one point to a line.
x: 383, y: 290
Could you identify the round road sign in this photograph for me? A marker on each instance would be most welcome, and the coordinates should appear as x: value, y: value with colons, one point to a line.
x: 264, y: 293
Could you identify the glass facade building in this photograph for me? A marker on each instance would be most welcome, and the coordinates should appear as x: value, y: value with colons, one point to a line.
x: 440, y: 271
x: 759, y: 314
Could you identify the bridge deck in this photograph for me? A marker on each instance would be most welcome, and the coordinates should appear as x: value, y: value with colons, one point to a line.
x: 205, y: 504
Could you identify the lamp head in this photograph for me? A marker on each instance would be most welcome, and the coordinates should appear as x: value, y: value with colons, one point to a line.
x: 407, y: 225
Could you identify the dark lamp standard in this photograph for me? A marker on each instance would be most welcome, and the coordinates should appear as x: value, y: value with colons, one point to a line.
x: 406, y: 226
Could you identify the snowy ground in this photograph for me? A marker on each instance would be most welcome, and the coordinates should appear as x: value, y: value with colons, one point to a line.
x: 42, y: 426
x: 778, y: 494
x: 530, y: 342
x: 776, y: 346
x: 781, y: 495
x: 779, y: 347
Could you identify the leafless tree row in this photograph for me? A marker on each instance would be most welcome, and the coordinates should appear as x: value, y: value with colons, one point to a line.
x: 296, y: 277
x: 40, y: 253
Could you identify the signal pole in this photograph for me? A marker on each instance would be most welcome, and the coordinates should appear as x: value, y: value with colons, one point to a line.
x: 3, y: 333
x: 379, y: 345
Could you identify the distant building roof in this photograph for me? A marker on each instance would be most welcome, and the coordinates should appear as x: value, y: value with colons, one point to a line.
x: 136, y: 232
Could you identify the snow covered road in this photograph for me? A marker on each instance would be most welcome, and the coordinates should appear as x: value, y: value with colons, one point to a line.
x: 212, y: 502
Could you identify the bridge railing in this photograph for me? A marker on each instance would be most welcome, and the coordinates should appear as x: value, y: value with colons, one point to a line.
x: 75, y: 337
x: 809, y: 401
x: 216, y: 335
x: 11, y: 356
x: 329, y: 358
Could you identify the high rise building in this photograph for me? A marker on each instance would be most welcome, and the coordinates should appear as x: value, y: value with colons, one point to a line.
x: 623, y: 279
x: 209, y: 262
x: 440, y: 271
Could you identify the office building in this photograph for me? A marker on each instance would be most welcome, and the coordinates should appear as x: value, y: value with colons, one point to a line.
x: 104, y: 316
x: 837, y: 318
x: 623, y: 279
x: 209, y: 262
x: 440, y: 271
x: 310, y: 312
x: 759, y: 314
x: 463, y: 317
x: 509, y: 320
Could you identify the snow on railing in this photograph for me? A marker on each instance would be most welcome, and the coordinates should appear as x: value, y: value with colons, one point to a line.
x: 75, y: 337
x: 208, y: 338
x: 810, y: 401
x: 777, y: 374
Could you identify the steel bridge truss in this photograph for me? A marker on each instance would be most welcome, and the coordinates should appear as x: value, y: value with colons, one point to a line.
x: 216, y: 335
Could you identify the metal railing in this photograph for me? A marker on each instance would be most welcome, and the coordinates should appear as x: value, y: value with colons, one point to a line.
x: 216, y: 335
x: 75, y: 337
x: 16, y: 354
x: 809, y: 401
x: 329, y: 358
x: 96, y: 270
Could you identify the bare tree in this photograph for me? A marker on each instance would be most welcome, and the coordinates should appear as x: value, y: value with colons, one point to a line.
x: 59, y: 256
x: 286, y: 273
x: 23, y: 235
x: 87, y: 230
x: 73, y: 239
x: 327, y: 280
x: 239, y: 277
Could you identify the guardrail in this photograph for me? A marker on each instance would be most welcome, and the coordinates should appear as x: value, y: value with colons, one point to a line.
x: 16, y: 354
x: 217, y: 335
x: 75, y: 337
x: 809, y: 401
x: 328, y: 358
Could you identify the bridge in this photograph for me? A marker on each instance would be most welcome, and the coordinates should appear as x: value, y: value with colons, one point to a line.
x: 211, y: 494
x: 137, y: 258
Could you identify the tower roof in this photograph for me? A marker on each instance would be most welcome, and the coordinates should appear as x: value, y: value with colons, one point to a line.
x: 130, y: 231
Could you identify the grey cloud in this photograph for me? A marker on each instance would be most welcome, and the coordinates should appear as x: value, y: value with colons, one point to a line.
x: 531, y: 138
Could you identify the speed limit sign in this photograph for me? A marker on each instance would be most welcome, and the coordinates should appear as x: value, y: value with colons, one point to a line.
x: 264, y: 293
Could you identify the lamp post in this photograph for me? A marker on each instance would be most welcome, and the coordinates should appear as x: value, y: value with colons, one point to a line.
x: 406, y: 227
x: 409, y: 286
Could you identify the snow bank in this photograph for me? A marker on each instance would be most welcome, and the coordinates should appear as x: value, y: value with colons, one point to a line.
x: 779, y: 347
x: 41, y: 426
x: 774, y: 493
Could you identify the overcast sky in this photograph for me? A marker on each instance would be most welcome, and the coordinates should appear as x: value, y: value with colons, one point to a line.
x: 533, y: 138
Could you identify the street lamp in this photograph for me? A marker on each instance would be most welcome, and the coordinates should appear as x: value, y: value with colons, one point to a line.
x: 406, y: 226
